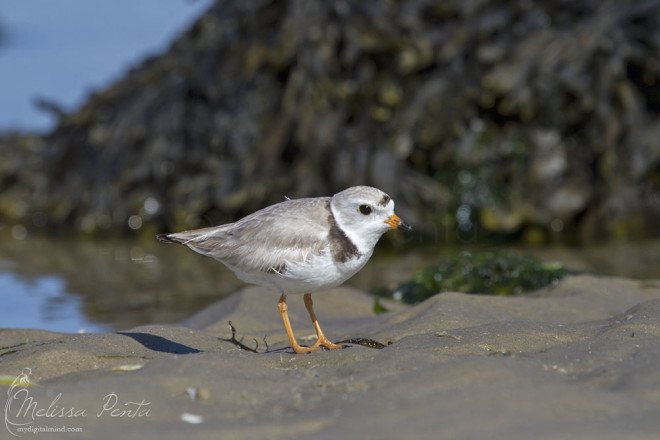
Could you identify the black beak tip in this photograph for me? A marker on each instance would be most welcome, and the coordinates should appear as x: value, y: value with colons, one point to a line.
x: 403, y: 226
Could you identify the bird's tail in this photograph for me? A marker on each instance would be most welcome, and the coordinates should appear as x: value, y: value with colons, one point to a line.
x: 169, y: 238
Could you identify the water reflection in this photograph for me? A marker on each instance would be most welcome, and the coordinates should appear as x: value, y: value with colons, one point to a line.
x: 41, y: 302
x: 68, y: 285
x: 116, y: 284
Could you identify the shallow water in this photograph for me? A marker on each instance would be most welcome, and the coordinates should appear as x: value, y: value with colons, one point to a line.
x: 73, y: 285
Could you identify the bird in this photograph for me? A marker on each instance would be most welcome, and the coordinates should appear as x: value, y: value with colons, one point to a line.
x: 300, y: 246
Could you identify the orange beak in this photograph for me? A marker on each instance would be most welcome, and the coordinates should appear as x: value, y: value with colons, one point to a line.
x: 396, y: 223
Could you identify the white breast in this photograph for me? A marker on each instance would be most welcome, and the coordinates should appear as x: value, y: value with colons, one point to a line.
x: 316, y: 273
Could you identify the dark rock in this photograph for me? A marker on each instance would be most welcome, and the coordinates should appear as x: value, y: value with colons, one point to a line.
x: 517, y: 116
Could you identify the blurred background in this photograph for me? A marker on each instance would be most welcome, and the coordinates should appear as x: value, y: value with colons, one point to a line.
x: 493, y: 125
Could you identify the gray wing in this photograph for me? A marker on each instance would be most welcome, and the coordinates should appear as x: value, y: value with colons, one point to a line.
x: 267, y: 240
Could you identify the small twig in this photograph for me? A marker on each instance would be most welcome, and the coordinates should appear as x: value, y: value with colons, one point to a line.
x: 240, y: 344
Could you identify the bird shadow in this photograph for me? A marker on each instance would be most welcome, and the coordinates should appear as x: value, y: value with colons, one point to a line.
x: 158, y: 343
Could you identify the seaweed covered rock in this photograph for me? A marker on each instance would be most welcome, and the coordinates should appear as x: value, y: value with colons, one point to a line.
x: 488, y: 273
x: 532, y: 119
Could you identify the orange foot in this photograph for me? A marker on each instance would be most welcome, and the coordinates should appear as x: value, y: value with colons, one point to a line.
x: 322, y: 341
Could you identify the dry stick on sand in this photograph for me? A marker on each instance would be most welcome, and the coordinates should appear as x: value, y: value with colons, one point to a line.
x: 240, y: 344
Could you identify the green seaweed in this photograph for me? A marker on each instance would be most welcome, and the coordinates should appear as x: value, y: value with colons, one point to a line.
x: 9, y: 352
x: 488, y: 273
x: 13, y: 346
x: 378, y: 307
x: 120, y: 356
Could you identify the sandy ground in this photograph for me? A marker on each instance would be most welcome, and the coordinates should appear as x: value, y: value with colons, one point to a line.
x: 579, y: 360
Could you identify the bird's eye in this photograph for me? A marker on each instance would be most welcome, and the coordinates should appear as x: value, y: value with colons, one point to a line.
x: 365, y: 209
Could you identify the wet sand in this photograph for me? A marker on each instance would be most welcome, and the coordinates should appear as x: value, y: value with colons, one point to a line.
x: 574, y: 361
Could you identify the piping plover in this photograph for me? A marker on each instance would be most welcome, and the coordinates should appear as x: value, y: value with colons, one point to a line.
x: 300, y: 246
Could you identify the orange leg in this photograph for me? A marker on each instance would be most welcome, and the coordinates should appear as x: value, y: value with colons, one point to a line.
x: 281, y: 304
x: 322, y: 340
